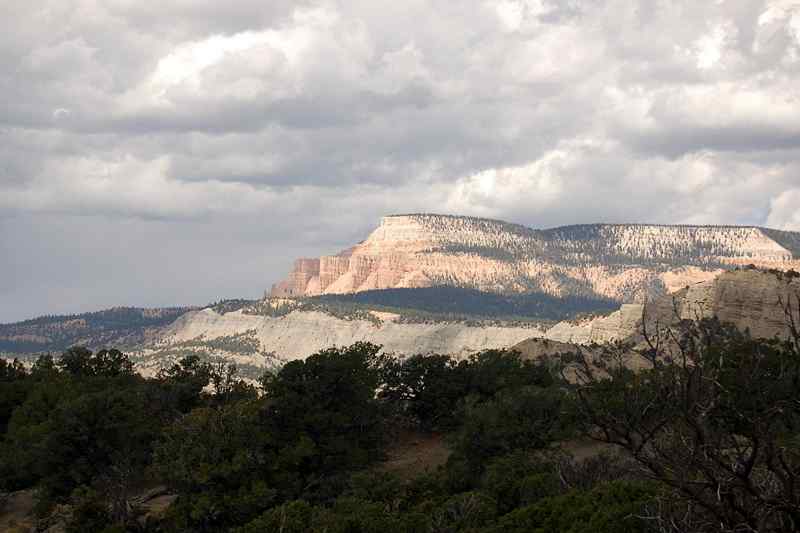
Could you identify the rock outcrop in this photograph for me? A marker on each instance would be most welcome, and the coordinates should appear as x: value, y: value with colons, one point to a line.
x: 627, y: 263
x: 301, y: 333
x: 761, y: 302
x: 614, y: 327
x: 256, y: 342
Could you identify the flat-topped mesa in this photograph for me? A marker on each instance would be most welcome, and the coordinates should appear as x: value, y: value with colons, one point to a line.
x: 723, y: 244
x: 397, y: 232
x: 625, y: 262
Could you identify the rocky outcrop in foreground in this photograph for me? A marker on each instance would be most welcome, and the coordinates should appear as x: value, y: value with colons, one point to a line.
x: 626, y: 263
x: 761, y: 302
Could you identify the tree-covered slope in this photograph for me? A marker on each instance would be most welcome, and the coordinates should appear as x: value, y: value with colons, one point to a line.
x: 120, y: 326
x: 454, y: 302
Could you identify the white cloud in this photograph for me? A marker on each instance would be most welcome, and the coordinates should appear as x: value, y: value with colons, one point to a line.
x: 494, y: 190
x: 711, y: 47
x: 130, y: 187
x: 257, y: 56
x: 517, y: 14
x: 299, y: 123
x: 778, y: 31
x: 785, y: 211
x: 778, y: 10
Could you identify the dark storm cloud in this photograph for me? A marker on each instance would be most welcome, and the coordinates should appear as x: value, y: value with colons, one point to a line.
x: 743, y: 139
x: 178, y: 152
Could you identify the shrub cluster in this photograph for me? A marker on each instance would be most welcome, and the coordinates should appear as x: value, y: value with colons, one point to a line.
x: 706, y: 440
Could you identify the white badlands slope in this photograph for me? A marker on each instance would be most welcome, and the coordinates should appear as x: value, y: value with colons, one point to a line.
x: 301, y: 333
x: 256, y: 342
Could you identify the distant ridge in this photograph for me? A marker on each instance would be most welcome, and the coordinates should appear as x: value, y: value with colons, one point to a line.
x: 578, y: 225
x: 119, y: 327
x: 623, y: 262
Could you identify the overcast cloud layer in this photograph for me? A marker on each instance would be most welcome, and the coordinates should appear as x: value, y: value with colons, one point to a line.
x: 156, y: 153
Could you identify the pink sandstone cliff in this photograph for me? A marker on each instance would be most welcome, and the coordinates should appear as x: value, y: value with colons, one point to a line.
x: 622, y: 262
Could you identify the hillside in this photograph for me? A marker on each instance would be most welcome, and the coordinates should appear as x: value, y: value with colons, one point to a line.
x: 120, y: 327
x: 452, y: 285
x: 624, y: 263
x: 459, y: 303
x: 259, y: 334
x: 256, y: 342
x: 764, y: 303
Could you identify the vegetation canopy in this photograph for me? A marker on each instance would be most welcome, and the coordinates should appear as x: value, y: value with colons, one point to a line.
x: 698, y: 432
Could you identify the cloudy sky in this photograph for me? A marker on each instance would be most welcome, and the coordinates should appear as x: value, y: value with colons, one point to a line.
x: 178, y: 152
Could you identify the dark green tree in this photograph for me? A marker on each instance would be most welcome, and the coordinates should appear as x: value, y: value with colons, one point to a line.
x: 318, y: 420
x: 79, y: 361
x: 614, y: 507
x: 15, y: 384
x: 327, y: 405
x: 427, y: 389
x: 184, y: 381
x: 714, y: 415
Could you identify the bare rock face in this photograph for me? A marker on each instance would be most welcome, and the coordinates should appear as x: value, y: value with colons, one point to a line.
x: 537, y: 348
x: 761, y: 302
x: 754, y: 300
x: 260, y: 341
x: 616, y: 326
x: 627, y: 263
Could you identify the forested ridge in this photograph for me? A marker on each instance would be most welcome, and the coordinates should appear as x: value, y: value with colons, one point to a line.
x: 429, y: 304
x: 120, y: 326
x: 464, y: 303
x: 704, y: 436
x: 129, y: 328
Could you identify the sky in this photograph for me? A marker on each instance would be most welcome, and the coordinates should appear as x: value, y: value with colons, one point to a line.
x: 180, y: 152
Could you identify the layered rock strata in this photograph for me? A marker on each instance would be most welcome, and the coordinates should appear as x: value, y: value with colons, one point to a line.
x: 763, y: 303
x: 624, y: 262
x: 301, y: 333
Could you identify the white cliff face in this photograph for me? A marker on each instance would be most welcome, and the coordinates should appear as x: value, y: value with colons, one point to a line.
x: 623, y: 262
x: 302, y: 333
x: 752, y: 300
x: 616, y: 326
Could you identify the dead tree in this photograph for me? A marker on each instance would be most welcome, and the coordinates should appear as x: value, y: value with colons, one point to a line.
x: 714, y: 416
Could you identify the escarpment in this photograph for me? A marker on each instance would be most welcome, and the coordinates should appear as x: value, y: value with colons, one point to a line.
x: 460, y: 285
x: 627, y: 263
x: 763, y: 303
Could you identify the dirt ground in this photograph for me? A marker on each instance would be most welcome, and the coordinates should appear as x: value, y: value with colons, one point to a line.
x: 581, y: 449
x: 17, y: 515
x: 415, y: 453
x: 16, y: 512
